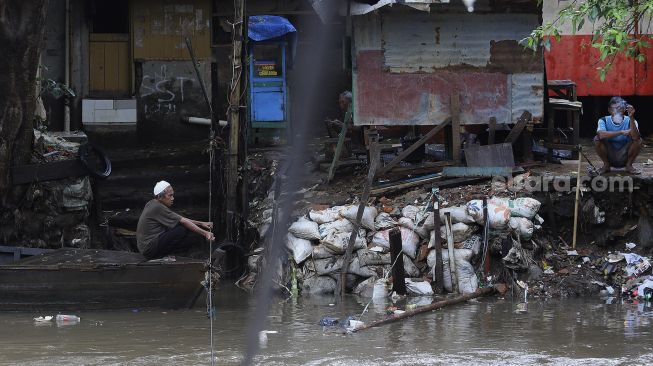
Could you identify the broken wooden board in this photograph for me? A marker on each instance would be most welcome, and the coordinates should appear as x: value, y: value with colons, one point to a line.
x: 519, y: 127
x: 497, y: 155
x: 47, y: 171
x: 476, y: 171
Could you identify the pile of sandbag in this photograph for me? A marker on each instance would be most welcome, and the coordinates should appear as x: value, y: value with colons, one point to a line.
x: 318, y: 241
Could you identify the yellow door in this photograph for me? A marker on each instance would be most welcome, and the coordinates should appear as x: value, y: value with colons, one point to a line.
x: 109, y: 64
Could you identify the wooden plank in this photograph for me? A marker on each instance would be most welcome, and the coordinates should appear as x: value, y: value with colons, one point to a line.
x: 492, y: 129
x: 96, y: 66
x: 22, y: 174
x: 409, y: 183
x: 480, y: 171
x: 497, y: 155
x: 397, y: 259
x: 519, y: 127
x: 413, y: 147
x: 455, y: 128
x: 341, y: 141
x: 527, y: 144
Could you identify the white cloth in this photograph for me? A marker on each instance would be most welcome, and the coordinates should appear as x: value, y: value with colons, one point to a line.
x: 160, y: 187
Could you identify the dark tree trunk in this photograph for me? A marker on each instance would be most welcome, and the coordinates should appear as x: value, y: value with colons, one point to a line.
x: 22, y: 25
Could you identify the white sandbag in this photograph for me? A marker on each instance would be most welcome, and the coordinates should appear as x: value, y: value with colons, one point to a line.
x: 409, y: 240
x: 467, y: 281
x: 458, y: 214
x: 410, y: 212
x: 371, y: 258
x: 365, y: 288
x: 357, y: 269
x: 321, y: 252
x: 498, y: 215
x: 474, y: 243
x: 369, y: 214
x: 337, y: 242
x: 410, y: 268
x: 519, y: 207
x: 462, y: 261
x: 384, y: 221
x: 410, y: 224
x: 305, y: 229
x: 319, y: 285
x: 522, y: 226
x: 351, y: 280
x: 323, y: 216
x: 432, y: 240
x: 339, y: 226
x: 324, y: 266
x: 461, y: 232
x: 418, y: 288
x: 300, y: 248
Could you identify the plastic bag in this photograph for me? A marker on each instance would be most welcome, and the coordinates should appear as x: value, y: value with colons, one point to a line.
x: 409, y: 240
x: 300, y: 248
x: 369, y: 214
x: 384, y: 221
x: 305, y: 229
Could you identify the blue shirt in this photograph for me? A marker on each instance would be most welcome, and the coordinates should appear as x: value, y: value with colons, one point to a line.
x: 606, y: 124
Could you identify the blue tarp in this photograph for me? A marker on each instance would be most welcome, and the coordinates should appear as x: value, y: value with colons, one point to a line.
x: 263, y: 27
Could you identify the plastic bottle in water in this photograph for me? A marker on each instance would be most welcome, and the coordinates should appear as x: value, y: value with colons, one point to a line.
x: 68, y: 318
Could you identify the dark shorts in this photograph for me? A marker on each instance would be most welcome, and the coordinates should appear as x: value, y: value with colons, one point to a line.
x: 617, y: 156
x: 170, y: 241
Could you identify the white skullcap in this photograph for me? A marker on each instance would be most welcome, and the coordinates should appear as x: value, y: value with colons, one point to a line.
x: 160, y: 187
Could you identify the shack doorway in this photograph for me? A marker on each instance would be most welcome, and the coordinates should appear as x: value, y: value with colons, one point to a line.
x: 109, y: 71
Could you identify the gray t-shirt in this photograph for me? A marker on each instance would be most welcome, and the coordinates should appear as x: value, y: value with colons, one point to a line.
x: 155, y: 219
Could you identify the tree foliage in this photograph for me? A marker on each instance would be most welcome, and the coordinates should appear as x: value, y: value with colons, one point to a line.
x: 616, y: 28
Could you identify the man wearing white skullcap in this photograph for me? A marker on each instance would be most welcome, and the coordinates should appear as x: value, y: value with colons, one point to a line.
x: 160, y: 231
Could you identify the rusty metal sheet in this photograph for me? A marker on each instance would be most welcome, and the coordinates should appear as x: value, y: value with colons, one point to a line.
x: 418, y: 42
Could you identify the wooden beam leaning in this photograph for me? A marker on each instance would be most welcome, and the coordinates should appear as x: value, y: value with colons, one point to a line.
x: 374, y: 159
x: 455, y: 128
x: 492, y: 129
x: 519, y: 127
x: 414, y: 147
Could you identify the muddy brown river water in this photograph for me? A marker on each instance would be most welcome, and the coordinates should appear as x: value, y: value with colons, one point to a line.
x: 489, y: 331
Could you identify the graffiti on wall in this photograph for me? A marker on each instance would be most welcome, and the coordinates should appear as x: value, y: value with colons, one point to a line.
x: 162, y: 92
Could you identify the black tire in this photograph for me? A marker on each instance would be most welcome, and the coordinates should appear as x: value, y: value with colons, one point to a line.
x: 87, y: 153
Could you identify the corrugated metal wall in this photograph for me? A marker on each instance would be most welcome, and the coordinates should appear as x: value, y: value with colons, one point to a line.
x: 160, y: 27
x: 406, y: 73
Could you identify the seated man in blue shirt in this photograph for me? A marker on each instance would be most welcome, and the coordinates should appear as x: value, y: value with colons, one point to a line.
x: 617, y: 138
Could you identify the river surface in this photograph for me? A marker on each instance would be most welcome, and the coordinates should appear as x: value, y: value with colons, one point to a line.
x: 488, y: 331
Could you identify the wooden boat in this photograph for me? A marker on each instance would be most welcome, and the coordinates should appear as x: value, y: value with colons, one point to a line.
x: 75, y: 279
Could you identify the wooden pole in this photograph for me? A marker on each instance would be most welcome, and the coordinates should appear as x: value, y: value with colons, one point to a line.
x: 452, y: 255
x: 374, y: 159
x: 341, y: 142
x: 486, y: 242
x: 438, y: 273
x: 580, y: 159
x: 455, y: 128
x: 234, y: 115
x: 440, y: 304
x: 397, y: 258
x: 492, y: 128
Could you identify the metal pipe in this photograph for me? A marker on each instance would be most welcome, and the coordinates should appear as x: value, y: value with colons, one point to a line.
x: 203, y: 121
x: 66, y: 105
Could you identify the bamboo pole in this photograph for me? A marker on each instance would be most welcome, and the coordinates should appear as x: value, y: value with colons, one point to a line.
x: 440, y: 304
x: 580, y: 159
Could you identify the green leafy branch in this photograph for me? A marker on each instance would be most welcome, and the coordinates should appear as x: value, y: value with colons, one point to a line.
x: 614, y: 23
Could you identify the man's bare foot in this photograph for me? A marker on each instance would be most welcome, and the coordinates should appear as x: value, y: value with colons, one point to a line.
x: 604, y: 169
x: 632, y: 170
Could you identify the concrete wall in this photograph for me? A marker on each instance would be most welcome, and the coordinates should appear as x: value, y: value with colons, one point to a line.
x: 53, y: 59
x: 167, y: 92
